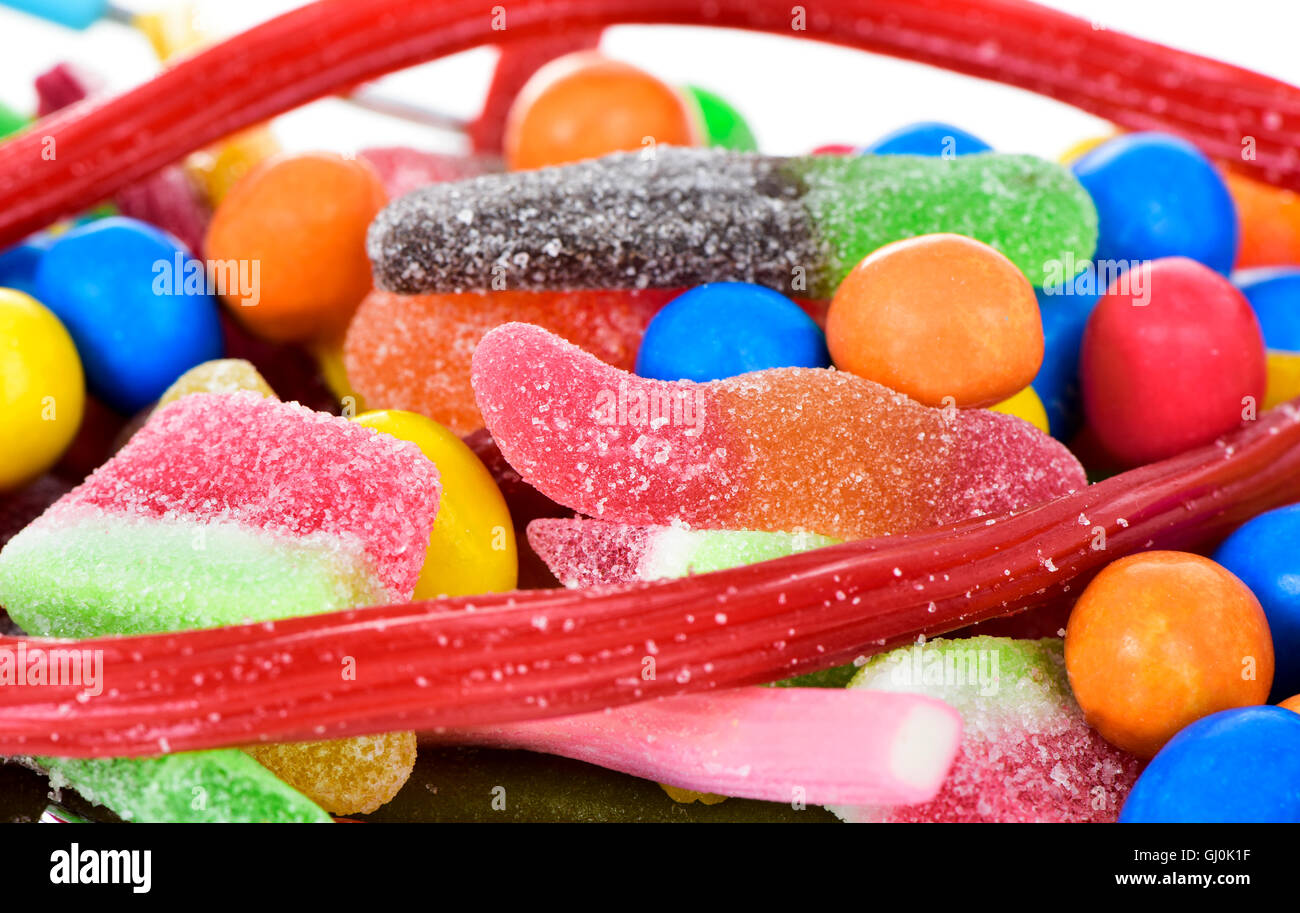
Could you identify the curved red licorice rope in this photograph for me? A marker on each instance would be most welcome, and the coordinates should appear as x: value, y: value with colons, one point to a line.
x: 491, y: 659
x: 327, y: 46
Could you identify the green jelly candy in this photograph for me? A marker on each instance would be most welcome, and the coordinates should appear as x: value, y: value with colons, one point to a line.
x: 723, y: 125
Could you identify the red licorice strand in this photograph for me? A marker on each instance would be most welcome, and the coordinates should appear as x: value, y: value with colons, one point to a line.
x: 840, y: 603
x: 332, y: 44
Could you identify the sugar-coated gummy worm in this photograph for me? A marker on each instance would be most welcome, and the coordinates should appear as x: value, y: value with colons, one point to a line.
x: 753, y: 743
x: 514, y: 656
x: 330, y: 45
x: 797, y: 224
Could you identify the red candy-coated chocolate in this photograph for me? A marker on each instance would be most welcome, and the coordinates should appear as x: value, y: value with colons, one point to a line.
x: 502, y: 657
x: 334, y: 44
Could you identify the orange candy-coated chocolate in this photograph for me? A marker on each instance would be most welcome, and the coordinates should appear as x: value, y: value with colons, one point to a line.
x: 1292, y: 703
x: 584, y: 105
x: 302, y: 221
x: 1270, y: 222
x: 1159, y: 640
x: 935, y: 317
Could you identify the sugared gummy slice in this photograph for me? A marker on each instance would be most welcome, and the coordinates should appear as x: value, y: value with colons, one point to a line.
x: 206, y: 786
x: 778, y: 450
x: 226, y: 507
x: 587, y: 552
x: 1026, y: 752
x: 683, y: 217
x: 413, y: 352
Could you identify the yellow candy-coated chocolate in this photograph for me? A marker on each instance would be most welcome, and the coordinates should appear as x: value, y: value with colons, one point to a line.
x: 222, y: 375
x: 1283, y: 378
x: 472, y: 547
x: 687, y: 796
x: 42, y: 389
x: 220, y: 167
x: 1083, y: 147
x: 329, y: 358
x: 1026, y: 405
x: 343, y: 776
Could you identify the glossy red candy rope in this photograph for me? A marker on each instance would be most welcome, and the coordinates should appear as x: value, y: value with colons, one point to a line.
x: 330, y: 45
x: 540, y: 653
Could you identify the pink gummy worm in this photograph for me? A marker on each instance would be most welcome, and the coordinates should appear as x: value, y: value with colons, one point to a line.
x: 819, y: 745
x: 327, y: 46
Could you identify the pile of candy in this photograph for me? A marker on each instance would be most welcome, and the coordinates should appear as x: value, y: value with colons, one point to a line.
x: 300, y: 444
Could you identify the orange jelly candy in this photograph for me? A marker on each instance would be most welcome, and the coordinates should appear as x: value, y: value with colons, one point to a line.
x: 297, y: 226
x: 584, y: 105
x: 1159, y: 640
x: 942, y: 318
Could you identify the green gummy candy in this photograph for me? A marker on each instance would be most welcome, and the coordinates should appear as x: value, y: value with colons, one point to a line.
x: 676, y: 552
x: 191, y: 787
x: 10, y: 121
x: 69, y: 580
x: 1031, y: 210
x: 724, y: 126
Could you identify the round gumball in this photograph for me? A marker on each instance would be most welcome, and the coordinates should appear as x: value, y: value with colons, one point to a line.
x: 729, y: 328
x: 1235, y: 766
x: 942, y: 318
x: 584, y: 105
x: 1158, y: 196
x: 1270, y: 222
x: 1172, y: 357
x: 472, y: 547
x: 136, y: 305
x: 1065, y: 308
x: 835, y: 149
x: 1274, y: 296
x: 928, y: 138
x: 296, y: 226
x: 1292, y: 703
x: 42, y: 391
x: 1159, y: 640
x: 1265, y: 554
x: 723, y: 125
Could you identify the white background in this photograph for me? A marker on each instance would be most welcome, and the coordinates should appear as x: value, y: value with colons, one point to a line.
x: 796, y: 94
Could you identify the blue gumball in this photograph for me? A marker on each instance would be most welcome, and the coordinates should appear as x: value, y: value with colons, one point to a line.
x: 1158, y: 196
x: 1240, y: 765
x: 729, y: 328
x: 928, y: 138
x: 18, y: 264
x: 136, y: 305
x: 1065, y: 309
x: 1274, y: 294
x: 1265, y: 554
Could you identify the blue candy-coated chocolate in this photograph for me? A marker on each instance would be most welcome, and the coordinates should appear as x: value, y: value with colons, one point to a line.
x: 1240, y: 765
x: 135, y: 303
x: 1065, y: 310
x: 1265, y: 553
x: 928, y: 138
x: 1274, y: 294
x: 18, y: 264
x: 727, y: 328
x: 1159, y: 196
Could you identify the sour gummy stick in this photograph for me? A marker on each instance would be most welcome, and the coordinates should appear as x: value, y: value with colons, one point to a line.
x: 683, y: 217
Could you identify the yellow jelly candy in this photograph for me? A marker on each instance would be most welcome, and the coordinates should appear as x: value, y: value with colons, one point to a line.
x: 222, y: 375
x: 1026, y: 405
x: 42, y: 390
x: 343, y: 776
x: 1283, y: 378
x: 472, y: 547
x: 687, y: 796
x: 172, y: 30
